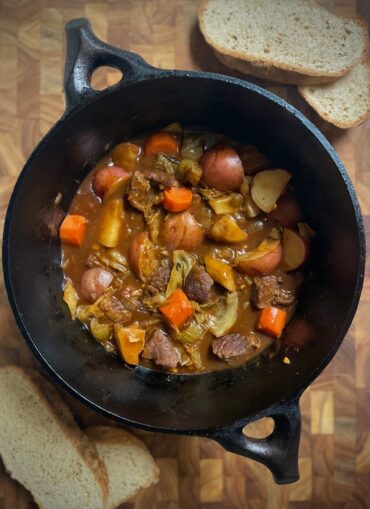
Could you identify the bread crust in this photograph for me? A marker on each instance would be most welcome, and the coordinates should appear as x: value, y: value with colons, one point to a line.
x: 280, y: 65
x: 62, y: 416
x: 271, y: 73
x: 117, y: 437
x: 337, y: 122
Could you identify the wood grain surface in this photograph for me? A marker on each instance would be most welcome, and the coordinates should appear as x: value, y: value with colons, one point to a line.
x: 195, y: 473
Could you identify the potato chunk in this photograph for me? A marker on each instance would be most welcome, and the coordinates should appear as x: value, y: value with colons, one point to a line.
x: 220, y: 272
x: 226, y: 229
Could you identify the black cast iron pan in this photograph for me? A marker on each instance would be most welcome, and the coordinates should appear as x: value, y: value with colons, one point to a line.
x: 216, y: 405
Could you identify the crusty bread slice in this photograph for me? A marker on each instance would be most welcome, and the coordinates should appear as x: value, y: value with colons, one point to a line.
x: 271, y: 73
x: 129, y: 464
x: 346, y: 102
x: 42, y: 447
x: 293, y: 35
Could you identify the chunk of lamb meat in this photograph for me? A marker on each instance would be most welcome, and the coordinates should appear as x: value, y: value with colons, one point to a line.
x: 160, y: 349
x: 141, y: 195
x: 198, y: 284
x: 113, y: 308
x: 161, y: 276
x: 235, y: 345
x: 266, y: 290
x: 161, y: 178
x: 130, y: 299
x: 140, y: 192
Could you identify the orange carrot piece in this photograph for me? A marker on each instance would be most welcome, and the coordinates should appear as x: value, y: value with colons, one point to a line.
x: 178, y: 309
x: 72, y: 230
x: 176, y: 199
x: 161, y: 142
x: 272, y: 321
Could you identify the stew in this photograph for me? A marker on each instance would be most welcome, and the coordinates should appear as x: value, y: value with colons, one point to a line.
x: 183, y: 250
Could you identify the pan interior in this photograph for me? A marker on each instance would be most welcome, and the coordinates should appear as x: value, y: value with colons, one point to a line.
x: 34, y: 276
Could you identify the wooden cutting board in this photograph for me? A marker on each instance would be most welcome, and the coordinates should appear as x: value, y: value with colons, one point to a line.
x: 195, y: 473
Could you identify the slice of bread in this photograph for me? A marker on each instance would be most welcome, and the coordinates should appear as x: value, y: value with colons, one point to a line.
x: 42, y: 447
x: 298, y: 36
x: 346, y: 102
x: 271, y: 73
x: 129, y: 464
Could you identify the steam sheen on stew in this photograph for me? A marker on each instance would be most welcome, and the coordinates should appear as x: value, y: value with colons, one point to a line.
x: 182, y: 250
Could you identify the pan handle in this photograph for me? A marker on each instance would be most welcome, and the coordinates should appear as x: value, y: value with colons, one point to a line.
x: 85, y: 53
x: 278, y: 451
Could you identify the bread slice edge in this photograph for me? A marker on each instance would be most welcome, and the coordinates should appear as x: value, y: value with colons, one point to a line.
x: 281, y: 65
x: 115, y: 435
x: 63, y: 418
x: 309, y: 98
x: 271, y: 73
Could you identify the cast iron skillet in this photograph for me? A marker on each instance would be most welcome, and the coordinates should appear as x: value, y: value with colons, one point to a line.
x: 216, y: 405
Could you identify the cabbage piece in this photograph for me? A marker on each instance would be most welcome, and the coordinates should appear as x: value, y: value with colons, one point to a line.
x: 166, y: 163
x: 192, y: 147
x: 70, y: 297
x: 210, y: 303
x: 184, y: 357
x: 86, y: 311
x: 101, y: 331
x: 225, y: 316
x: 183, y: 262
x: 193, y: 332
x: 197, y: 327
x: 116, y: 257
x: 155, y: 301
x: 110, y: 258
x: 194, y: 353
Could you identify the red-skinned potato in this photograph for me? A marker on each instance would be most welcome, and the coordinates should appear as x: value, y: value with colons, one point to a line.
x: 222, y: 168
x: 94, y: 282
x: 262, y: 260
x: 107, y: 177
x: 143, y: 256
x: 181, y: 231
x: 288, y: 211
x: 268, y: 186
x: 295, y: 250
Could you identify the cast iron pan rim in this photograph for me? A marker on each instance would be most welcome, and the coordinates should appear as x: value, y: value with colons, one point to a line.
x: 159, y: 75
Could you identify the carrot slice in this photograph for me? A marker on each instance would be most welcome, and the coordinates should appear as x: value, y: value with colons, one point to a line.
x: 272, y: 321
x: 178, y: 309
x: 72, y: 230
x: 161, y: 142
x: 176, y: 199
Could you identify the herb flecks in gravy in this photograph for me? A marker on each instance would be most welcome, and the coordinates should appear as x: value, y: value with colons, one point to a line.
x: 182, y: 251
